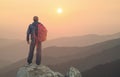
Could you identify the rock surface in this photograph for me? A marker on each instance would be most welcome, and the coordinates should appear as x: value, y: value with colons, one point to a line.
x: 73, y: 72
x: 44, y: 71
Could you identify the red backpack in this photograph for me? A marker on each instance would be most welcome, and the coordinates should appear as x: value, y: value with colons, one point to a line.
x: 42, y: 33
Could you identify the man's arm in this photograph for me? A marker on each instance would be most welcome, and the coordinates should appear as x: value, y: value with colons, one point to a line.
x: 28, y: 33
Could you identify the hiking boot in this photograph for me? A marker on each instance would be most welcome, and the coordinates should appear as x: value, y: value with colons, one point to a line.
x: 27, y: 65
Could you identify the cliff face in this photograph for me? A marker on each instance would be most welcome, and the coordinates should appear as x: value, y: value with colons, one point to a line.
x: 44, y: 71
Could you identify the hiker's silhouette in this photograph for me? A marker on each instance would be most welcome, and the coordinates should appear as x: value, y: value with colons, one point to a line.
x: 38, y: 34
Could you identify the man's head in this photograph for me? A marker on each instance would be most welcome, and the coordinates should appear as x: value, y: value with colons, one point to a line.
x: 35, y: 18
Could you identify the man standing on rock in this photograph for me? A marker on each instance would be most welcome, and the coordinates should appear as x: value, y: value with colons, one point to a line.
x: 38, y: 34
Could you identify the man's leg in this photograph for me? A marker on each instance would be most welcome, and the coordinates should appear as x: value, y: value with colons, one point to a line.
x: 31, y: 52
x: 38, y: 53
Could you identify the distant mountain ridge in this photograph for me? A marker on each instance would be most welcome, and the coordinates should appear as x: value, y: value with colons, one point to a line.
x: 84, y: 62
x: 10, y: 47
x: 111, y: 69
x: 84, y: 58
x: 81, y: 41
x: 73, y: 41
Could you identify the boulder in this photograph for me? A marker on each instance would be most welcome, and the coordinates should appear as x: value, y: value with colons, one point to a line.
x: 73, y: 72
x: 37, y: 71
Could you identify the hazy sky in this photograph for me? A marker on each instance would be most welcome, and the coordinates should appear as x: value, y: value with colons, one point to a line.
x: 79, y: 17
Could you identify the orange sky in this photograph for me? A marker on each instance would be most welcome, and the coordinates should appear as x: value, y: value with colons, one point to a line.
x: 79, y: 17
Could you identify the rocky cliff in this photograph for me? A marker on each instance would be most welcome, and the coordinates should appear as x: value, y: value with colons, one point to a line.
x: 44, y: 71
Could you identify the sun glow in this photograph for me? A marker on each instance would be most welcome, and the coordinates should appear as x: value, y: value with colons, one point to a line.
x: 59, y: 10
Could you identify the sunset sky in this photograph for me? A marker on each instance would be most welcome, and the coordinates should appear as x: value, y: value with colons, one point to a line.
x: 75, y: 17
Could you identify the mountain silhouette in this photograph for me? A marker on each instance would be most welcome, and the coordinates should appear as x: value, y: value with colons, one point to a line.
x: 81, y: 41
x: 18, y: 49
x: 111, y: 69
x: 84, y: 58
x: 104, y: 55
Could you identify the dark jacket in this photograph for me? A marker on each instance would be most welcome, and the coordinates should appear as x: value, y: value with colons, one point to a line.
x: 32, y: 29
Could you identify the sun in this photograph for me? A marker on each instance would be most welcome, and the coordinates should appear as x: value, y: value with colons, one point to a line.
x: 59, y: 10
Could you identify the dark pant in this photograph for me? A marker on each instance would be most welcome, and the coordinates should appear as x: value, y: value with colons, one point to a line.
x: 31, y: 52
